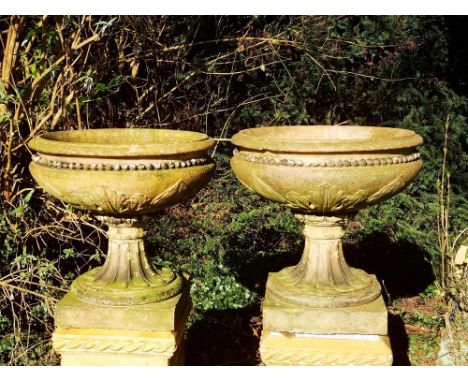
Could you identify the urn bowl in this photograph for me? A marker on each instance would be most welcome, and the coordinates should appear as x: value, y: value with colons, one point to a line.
x: 326, y: 170
x: 122, y: 172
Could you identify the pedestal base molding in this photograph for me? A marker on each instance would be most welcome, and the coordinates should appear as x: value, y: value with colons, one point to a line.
x: 298, y: 335
x: 289, y: 349
x: 100, y: 347
x: 138, y: 335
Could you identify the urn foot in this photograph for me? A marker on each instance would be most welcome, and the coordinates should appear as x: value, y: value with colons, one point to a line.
x: 322, y: 278
x: 126, y: 278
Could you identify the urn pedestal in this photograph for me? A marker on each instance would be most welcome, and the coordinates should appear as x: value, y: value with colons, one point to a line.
x: 322, y: 311
x: 125, y: 312
x: 149, y: 334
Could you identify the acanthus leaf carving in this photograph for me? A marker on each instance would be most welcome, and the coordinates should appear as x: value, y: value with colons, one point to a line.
x: 389, y: 189
x: 326, y: 197
x: 119, y: 203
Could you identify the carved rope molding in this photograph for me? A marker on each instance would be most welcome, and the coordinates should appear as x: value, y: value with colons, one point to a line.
x: 112, y: 345
x: 329, y: 162
x: 119, y: 166
x: 287, y: 357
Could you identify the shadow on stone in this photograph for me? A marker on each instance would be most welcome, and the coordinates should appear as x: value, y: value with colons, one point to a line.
x: 225, y: 338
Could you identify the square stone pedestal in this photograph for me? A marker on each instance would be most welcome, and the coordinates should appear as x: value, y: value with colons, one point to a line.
x: 295, y: 335
x: 97, y: 335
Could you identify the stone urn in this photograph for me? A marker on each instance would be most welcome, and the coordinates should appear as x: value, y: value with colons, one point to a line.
x: 324, y: 174
x: 121, y: 176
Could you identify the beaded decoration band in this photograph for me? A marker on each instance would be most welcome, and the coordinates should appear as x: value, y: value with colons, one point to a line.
x: 119, y: 166
x: 329, y: 162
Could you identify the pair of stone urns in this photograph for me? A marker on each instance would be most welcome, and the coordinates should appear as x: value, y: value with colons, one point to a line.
x: 319, y: 312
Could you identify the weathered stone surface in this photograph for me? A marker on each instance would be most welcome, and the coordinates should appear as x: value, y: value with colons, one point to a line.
x: 137, y: 335
x: 125, y: 312
x: 293, y: 181
x: 287, y: 349
x: 370, y: 318
x: 169, y: 314
x: 322, y: 278
x: 103, y: 347
x: 325, y: 174
x: 122, y: 175
x: 127, y: 277
x: 93, y: 183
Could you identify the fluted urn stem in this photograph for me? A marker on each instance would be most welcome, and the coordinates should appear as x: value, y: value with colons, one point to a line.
x: 126, y: 278
x: 322, y: 264
x: 322, y: 278
x: 126, y: 260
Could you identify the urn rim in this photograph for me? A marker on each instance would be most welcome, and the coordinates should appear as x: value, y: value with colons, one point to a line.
x: 326, y: 138
x: 121, y: 143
